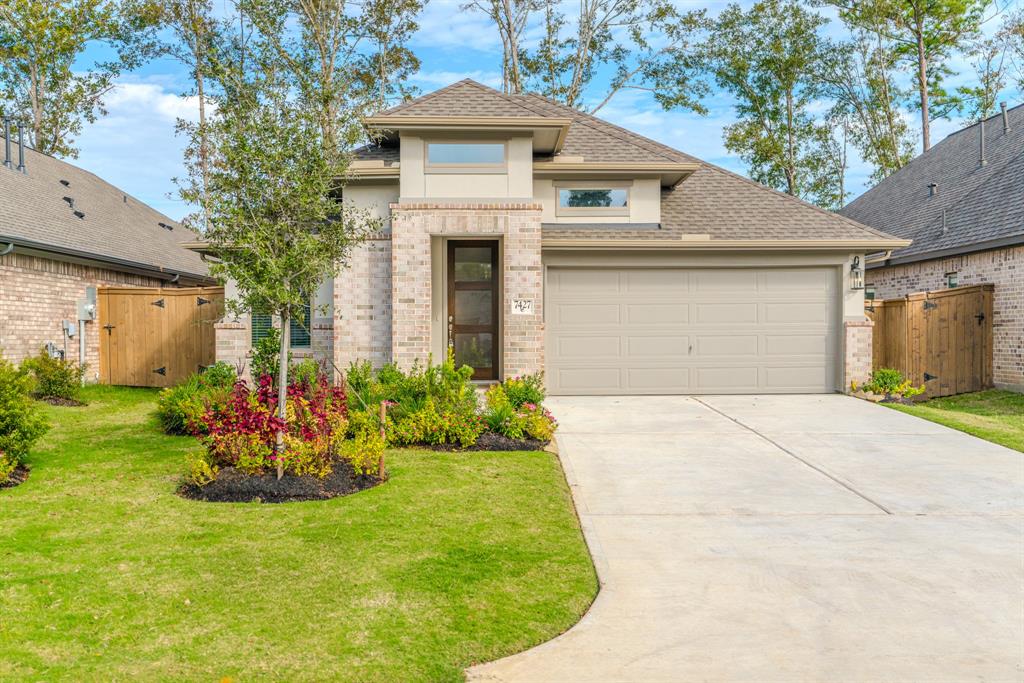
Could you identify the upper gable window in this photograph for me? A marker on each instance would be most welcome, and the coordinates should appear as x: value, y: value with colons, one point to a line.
x: 593, y: 199
x: 463, y: 156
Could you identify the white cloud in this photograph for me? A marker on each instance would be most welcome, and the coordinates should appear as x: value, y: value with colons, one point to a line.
x: 444, y: 25
x: 132, y: 99
x: 135, y: 147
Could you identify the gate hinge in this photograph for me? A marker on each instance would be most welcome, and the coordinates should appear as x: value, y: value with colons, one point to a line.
x: 929, y: 377
x: 930, y: 304
x: 200, y: 301
x: 161, y: 370
x: 159, y: 302
x: 980, y: 318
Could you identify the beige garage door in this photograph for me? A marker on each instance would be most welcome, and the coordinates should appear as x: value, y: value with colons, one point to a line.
x: 678, y: 331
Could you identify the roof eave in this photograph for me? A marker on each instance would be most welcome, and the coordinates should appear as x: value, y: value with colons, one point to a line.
x: 988, y: 245
x: 703, y: 243
x: 472, y: 123
x: 671, y: 173
x: 33, y: 248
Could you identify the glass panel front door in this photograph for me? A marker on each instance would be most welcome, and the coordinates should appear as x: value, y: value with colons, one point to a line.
x: 473, y: 305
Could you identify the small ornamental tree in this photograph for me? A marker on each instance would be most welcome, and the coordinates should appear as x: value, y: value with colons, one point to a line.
x: 277, y: 226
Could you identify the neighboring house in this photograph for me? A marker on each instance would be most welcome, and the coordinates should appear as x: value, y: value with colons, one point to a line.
x: 529, y: 237
x: 962, y: 204
x: 63, y: 230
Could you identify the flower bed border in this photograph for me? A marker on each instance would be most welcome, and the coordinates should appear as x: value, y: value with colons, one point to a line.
x: 232, y: 486
x: 16, y: 478
x: 488, y: 441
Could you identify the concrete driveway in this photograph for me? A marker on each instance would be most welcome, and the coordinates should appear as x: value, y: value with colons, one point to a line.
x: 770, y: 538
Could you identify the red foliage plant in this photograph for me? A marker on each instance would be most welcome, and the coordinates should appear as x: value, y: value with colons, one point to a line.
x: 243, y: 432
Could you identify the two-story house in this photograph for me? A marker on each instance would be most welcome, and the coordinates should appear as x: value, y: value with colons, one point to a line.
x: 528, y: 236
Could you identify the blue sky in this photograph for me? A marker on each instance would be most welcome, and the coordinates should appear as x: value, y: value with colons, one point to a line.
x: 135, y: 146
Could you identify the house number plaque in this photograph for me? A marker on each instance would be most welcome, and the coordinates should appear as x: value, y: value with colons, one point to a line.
x: 522, y: 306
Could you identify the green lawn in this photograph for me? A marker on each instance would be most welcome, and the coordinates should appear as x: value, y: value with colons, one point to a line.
x: 996, y: 416
x: 106, y: 574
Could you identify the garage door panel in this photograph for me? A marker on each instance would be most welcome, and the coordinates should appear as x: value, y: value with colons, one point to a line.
x: 798, y: 281
x: 796, y: 345
x: 805, y: 378
x: 731, y: 345
x: 796, y: 313
x: 655, y: 379
x: 588, y: 347
x: 656, y: 281
x: 590, y: 378
x: 727, y: 378
x: 725, y: 281
x: 658, y: 314
x: 726, y: 313
x: 587, y: 282
x: 658, y: 346
x: 664, y: 331
x: 587, y: 314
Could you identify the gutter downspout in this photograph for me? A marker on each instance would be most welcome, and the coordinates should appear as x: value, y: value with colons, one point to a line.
x: 81, y: 347
x: 883, y: 256
x: 8, y: 249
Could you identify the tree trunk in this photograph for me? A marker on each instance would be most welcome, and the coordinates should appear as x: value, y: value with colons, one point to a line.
x: 790, y: 150
x: 922, y: 76
x: 203, y: 149
x: 282, y: 390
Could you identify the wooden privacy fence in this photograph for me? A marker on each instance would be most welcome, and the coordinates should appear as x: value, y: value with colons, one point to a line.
x: 154, y: 336
x: 941, y: 339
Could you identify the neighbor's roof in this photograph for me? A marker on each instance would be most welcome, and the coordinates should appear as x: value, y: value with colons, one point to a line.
x: 983, y: 204
x: 712, y: 201
x: 115, y: 228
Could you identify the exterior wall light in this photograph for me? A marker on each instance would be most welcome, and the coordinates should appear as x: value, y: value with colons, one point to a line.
x: 856, y: 274
x: 952, y: 280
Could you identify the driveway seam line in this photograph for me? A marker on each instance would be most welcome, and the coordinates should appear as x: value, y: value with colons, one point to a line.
x: 796, y: 457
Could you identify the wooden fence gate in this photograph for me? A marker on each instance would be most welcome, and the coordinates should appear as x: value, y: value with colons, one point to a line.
x: 156, y: 337
x: 941, y: 339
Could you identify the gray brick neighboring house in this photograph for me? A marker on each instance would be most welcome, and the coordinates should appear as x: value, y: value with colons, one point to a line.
x: 962, y: 204
x: 62, y: 229
x: 526, y: 236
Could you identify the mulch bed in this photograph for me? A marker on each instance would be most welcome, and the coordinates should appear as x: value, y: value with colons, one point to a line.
x: 490, y: 441
x: 58, y: 401
x: 232, y: 486
x: 18, y: 476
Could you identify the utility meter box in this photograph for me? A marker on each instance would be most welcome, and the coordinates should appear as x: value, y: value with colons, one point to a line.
x: 86, y: 310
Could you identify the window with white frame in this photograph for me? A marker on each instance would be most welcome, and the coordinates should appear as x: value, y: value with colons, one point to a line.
x: 465, y: 156
x: 592, y: 199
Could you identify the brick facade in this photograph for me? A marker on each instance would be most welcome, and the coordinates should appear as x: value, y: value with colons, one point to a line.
x: 232, y: 346
x: 857, y: 339
x: 37, y: 293
x: 362, y: 305
x: 518, y: 225
x: 1002, y: 267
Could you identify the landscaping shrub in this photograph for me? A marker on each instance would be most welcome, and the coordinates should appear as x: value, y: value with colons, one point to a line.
x: 890, y: 382
x: 21, y: 420
x: 266, y: 355
x: 431, y: 404
x: 181, y: 408
x: 525, y: 420
x: 55, y: 377
x: 307, y: 371
x: 525, y: 389
x: 243, y: 432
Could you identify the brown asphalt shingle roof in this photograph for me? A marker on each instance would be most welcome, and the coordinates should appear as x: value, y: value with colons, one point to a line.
x: 712, y: 201
x: 115, y: 225
x: 981, y: 203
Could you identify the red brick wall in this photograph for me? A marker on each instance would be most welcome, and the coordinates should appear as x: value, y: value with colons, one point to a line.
x: 37, y: 293
x: 1002, y: 267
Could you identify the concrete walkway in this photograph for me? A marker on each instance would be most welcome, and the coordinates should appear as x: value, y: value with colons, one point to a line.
x: 790, y: 538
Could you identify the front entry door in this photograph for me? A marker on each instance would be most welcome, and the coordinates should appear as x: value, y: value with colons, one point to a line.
x: 473, y: 305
